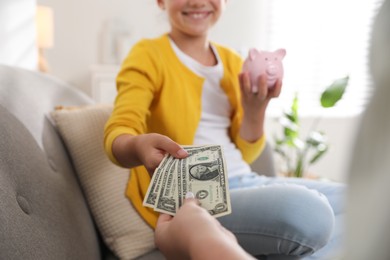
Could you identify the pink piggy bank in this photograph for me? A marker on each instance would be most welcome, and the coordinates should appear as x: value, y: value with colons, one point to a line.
x: 264, y: 62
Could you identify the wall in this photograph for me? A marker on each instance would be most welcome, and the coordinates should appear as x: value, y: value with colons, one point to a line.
x: 340, y: 130
x: 17, y: 33
x: 82, y: 41
x: 80, y: 28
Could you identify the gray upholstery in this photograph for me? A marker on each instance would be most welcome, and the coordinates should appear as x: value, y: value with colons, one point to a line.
x: 43, y: 213
x: 264, y: 164
x: 31, y: 95
x: 39, y: 175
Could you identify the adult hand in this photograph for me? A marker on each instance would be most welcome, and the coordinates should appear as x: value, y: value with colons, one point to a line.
x: 191, y: 234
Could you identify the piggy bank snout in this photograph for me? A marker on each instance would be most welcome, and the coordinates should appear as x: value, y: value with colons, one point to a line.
x: 272, y: 69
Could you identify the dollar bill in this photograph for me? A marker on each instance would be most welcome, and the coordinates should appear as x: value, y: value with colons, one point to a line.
x: 167, y: 196
x: 160, y: 195
x: 155, y: 183
x: 203, y: 173
x: 192, y: 151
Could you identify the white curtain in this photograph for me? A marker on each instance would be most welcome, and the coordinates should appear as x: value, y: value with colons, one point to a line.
x: 17, y: 33
x: 325, y: 40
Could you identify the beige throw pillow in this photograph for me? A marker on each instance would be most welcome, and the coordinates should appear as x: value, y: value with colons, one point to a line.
x: 104, y: 183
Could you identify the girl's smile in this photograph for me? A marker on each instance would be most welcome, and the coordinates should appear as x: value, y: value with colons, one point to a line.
x: 192, y: 18
x: 196, y: 15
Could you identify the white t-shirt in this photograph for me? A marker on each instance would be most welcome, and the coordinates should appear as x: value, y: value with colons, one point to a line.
x: 216, y: 110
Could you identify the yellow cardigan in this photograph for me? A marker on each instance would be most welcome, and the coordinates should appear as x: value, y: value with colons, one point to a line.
x: 158, y: 94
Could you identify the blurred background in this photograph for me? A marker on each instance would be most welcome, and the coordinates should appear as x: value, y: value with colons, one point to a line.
x: 84, y: 43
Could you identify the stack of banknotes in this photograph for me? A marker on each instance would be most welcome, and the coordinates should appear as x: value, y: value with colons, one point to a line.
x: 203, y: 173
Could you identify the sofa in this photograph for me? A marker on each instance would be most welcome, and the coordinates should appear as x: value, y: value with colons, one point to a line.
x: 60, y: 197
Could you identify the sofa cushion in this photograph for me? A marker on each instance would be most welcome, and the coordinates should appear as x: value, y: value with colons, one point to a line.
x: 104, y: 183
x: 29, y: 95
x: 42, y: 210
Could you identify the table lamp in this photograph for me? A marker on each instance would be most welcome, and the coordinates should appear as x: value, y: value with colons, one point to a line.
x: 45, y: 31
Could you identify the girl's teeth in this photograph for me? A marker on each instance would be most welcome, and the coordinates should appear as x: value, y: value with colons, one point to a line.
x: 198, y: 16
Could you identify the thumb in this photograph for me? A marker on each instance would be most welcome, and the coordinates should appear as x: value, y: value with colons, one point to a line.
x: 163, y: 218
x: 190, y: 198
x: 172, y: 148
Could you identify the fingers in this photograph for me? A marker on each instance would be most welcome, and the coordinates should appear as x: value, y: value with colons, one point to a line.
x: 190, y: 195
x: 190, y: 198
x: 153, y: 147
x: 262, y: 86
x: 163, y: 218
x: 259, y: 89
x: 250, y: 89
x: 267, y: 93
x: 275, y: 92
x: 166, y: 144
x: 245, y: 83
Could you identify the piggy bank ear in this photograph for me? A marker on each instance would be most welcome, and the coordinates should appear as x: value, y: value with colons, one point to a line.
x: 252, y: 54
x: 280, y: 53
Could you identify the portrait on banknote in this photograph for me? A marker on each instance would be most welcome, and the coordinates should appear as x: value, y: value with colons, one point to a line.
x: 204, y: 171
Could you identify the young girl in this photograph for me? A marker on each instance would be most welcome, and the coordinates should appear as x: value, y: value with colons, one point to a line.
x: 182, y: 89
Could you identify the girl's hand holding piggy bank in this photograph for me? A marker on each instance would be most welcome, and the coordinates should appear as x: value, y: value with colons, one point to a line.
x: 264, y: 62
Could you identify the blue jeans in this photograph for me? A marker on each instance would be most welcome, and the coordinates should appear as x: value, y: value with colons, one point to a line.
x: 286, y: 218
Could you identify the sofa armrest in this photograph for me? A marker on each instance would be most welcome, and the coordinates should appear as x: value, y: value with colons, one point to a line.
x: 264, y: 165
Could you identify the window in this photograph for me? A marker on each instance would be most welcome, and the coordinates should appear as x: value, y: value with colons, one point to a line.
x: 325, y: 40
x: 17, y: 33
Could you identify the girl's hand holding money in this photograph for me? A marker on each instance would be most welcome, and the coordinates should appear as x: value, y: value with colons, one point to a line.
x: 191, y: 234
x: 147, y: 149
x: 255, y: 99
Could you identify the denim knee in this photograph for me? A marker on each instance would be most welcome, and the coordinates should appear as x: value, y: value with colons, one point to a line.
x: 307, y: 215
x: 285, y: 219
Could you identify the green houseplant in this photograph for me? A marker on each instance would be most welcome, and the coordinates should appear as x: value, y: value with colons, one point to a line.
x: 299, y: 152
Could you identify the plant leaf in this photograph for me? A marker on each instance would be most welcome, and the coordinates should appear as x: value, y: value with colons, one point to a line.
x: 291, y: 116
x: 319, y: 154
x: 280, y: 152
x: 316, y: 138
x: 334, y: 92
x: 294, y: 108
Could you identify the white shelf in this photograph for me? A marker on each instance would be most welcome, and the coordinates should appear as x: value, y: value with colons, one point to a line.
x: 103, y: 85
